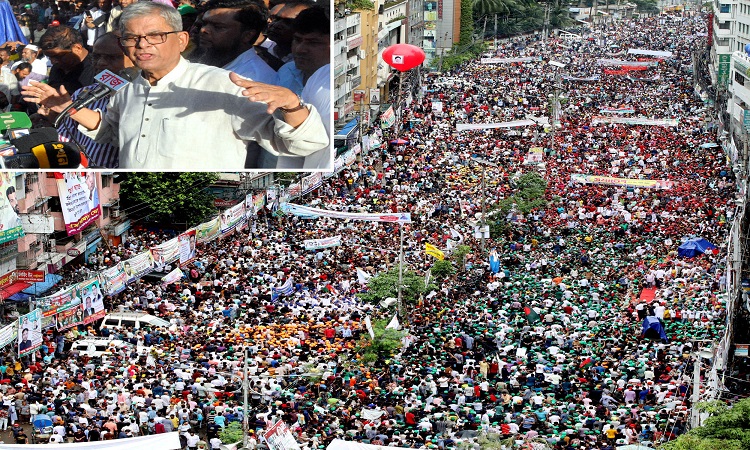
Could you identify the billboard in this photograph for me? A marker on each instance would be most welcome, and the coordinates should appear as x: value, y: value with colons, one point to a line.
x: 79, y: 200
x: 29, y: 332
x: 232, y: 218
x: 186, y: 245
x: 165, y: 253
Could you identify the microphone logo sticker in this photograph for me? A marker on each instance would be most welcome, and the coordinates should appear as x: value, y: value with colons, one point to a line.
x: 62, y: 157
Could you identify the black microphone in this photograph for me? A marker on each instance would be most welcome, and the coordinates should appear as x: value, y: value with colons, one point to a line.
x: 52, y: 155
x: 107, y: 83
x: 36, y: 136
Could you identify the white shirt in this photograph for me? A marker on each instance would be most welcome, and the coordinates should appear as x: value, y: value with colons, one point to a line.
x: 250, y: 65
x: 317, y: 92
x: 40, y: 67
x: 195, y: 118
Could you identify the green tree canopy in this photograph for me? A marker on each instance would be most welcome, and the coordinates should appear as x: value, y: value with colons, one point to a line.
x: 729, y: 429
x: 384, y: 285
x: 175, y: 197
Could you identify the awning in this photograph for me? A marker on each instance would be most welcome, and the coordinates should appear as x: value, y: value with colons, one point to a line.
x: 347, y: 130
x: 20, y: 297
x: 41, y: 287
x: 14, y: 288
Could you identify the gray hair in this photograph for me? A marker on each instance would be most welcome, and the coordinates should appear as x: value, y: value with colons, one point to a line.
x: 146, y: 8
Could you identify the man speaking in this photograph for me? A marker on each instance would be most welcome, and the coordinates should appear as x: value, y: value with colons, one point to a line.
x: 179, y: 115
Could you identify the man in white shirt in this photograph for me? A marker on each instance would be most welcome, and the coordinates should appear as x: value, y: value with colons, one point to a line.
x: 29, y: 54
x: 229, y: 30
x: 182, y: 116
x: 311, y: 48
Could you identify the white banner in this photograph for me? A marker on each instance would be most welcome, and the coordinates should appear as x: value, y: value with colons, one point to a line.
x: 655, y: 53
x: 368, y: 324
x: 509, y: 60
x: 164, y: 441
x: 232, y: 218
x: 487, y: 126
x: 278, y: 437
x: 138, y: 266
x: 315, y: 244
x: 636, y: 121
x: 307, y: 212
x: 165, y: 253
x: 79, y: 200
x: 173, y: 276
x: 437, y: 107
x: 620, y: 62
x: 8, y: 334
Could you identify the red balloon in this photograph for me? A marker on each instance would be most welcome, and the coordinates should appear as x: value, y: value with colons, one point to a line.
x: 403, y: 57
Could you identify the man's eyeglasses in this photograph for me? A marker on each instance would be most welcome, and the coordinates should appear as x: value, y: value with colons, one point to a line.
x: 152, y: 39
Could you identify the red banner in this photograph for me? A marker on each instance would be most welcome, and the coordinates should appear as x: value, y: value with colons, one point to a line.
x: 30, y: 276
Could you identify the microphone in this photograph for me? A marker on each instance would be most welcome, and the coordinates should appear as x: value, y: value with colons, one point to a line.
x: 108, y: 83
x: 52, y: 155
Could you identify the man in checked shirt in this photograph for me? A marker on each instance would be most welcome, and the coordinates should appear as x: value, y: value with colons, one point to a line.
x: 108, y: 55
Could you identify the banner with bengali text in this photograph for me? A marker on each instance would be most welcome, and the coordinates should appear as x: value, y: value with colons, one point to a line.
x: 624, y: 182
x: 138, y: 266
x: 207, y: 231
x: 8, y: 334
x: 307, y: 212
x: 232, y: 218
x: 315, y: 244
x: 92, y: 300
x: 635, y: 121
x: 10, y: 221
x: 79, y: 200
x: 165, y: 253
x: 186, y: 244
x: 29, y: 332
x: 70, y: 318
x: 115, y: 279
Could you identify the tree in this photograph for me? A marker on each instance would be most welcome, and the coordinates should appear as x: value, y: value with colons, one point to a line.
x: 231, y: 433
x: 529, y: 195
x: 385, y: 285
x: 442, y: 269
x: 467, y: 24
x: 176, y: 197
x: 383, y: 347
x: 728, y: 429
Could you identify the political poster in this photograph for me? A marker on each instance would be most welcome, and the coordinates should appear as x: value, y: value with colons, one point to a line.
x: 70, y: 318
x: 232, y: 218
x: 186, y: 245
x: 49, y: 322
x: 315, y: 244
x: 535, y: 155
x: 311, y: 182
x: 10, y: 221
x: 165, y: 253
x: 8, y: 334
x: 115, y: 280
x: 388, y: 118
x: 207, y: 231
x: 138, y: 266
x: 59, y: 301
x: 79, y: 200
x: 93, y: 300
x: 278, y: 437
x: 29, y: 332
x: 173, y: 276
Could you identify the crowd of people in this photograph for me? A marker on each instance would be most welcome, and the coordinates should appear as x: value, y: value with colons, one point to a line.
x: 548, y: 347
x: 274, y: 112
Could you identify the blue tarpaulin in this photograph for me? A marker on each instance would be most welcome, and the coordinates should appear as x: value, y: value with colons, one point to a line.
x: 652, y: 327
x: 41, y: 287
x: 9, y: 28
x: 694, y: 246
x: 20, y: 297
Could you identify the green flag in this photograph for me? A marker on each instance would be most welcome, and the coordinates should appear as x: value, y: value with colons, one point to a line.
x: 531, y: 315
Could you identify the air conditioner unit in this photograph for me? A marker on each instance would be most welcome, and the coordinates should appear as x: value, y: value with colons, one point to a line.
x: 115, y: 213
x: 362, y: 54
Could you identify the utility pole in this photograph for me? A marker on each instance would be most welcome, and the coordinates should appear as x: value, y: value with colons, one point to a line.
x: 495, y: 40
x: 245, y: 421
x: 401, y: 273
x: 483, y: 225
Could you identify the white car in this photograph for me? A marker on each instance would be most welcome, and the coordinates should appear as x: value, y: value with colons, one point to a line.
x: 95, y: 348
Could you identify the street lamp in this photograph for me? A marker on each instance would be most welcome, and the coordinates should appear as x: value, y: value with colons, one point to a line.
x: 482, y: 228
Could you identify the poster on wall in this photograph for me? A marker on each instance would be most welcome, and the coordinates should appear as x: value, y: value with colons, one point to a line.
x: 10, y: 221
x: 79, y: 200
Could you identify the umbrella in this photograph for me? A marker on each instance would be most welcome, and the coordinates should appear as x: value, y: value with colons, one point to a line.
x: 399, y: 141
x: 694, y: 246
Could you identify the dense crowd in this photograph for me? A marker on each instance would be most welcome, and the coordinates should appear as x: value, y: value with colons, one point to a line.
x: 548, y: 348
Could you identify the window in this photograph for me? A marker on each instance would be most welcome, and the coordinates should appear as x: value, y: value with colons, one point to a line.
x: 723, y: 8
x: 105, y: 212
x: 739, y: 78
x: 106, y: 181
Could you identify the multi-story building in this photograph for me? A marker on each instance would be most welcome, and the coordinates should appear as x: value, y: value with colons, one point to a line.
x: 441, y: 27
x: 46, y: 246
x: 347, y: 40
